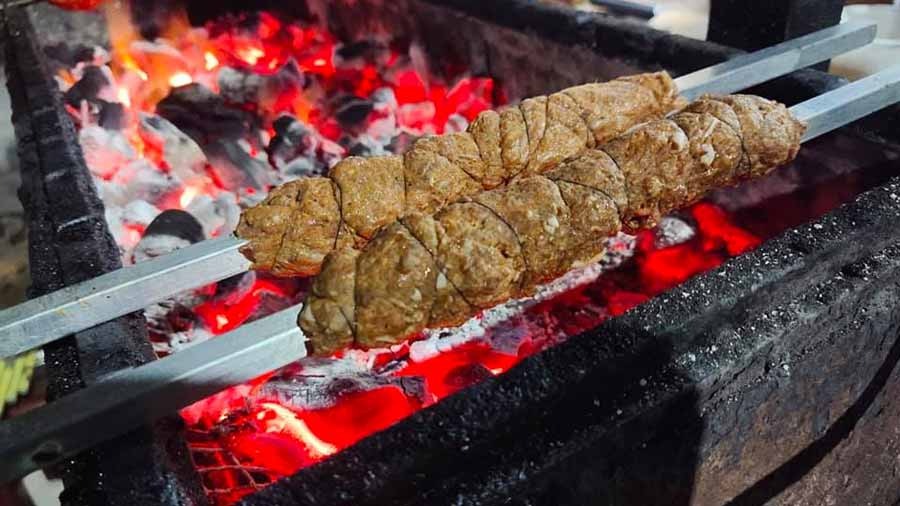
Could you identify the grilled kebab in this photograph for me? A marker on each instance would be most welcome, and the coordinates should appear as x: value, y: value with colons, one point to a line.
x: 293, y: 229
x: 439, y: 268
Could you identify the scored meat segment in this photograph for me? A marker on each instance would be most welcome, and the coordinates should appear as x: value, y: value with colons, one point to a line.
x: 439, y: 269
x: 293, y: 229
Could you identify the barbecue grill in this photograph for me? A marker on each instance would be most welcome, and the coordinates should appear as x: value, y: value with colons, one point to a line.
x: 756, y: 381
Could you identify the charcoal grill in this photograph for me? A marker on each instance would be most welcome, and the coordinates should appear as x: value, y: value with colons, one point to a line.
x: 755, y: 382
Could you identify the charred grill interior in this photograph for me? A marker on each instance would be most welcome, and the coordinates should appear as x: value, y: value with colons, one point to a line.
x: 745, y: 382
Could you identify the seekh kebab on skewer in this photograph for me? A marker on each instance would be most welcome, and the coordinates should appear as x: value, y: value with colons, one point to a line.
x: 441, y: 269
x: 293, y: 229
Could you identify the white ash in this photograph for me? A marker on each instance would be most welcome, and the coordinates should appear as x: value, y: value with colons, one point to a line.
x: 177, y: 341
x: 319, y: 382
x: 238, y: 86
x: 672, y: 231
x: 619, y: 248
x: 105, y: 151
x: 140, y: 213
x: 456, y: 123
x: 218, y: 216
x: 412, y: 114
x: 152, y: 246
x: 384, y: 97
x: 183, y: 156
x: 144, y: 181
x: 236, y: 166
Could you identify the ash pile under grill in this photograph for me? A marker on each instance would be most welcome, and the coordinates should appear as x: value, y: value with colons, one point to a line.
x: 182, y: 132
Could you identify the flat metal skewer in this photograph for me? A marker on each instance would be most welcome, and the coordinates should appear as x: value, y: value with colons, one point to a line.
x: 127, y: 399
x: 44, y: 319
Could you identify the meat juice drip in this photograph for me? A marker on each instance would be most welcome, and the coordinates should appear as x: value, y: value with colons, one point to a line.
x: 182, y: 132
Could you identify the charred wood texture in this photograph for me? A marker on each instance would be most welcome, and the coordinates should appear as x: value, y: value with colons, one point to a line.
x: 69, y: 242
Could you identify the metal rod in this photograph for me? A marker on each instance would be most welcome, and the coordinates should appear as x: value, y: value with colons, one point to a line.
x: 136, y: 396
x: 849, y: 103
x: 45, y: 319
x: 627, y: 8
x: 83, y: 305
x: 760, y: 66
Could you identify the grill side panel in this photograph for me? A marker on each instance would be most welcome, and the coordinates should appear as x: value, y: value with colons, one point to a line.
x: 69, y: 242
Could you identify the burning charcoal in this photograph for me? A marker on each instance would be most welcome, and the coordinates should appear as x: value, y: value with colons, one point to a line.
x: 293, y: 140
x: 417, y: 117
x: 239, y: 86
x: 183, y: 156
x: 144, y: 181
x: 466, y: 375
x: 358, y: 52
x: 301, y: 167
x: 140, y: 213
x: 672, y: 231
x: 385, y: 97
x: 105, y: 151
x: 245, y: 87
x: 218, y: 216
x: 95, y: 82
x: 112, y: 194
x: 618, y: 249
x: 366, y: 146
x: 235, y: 168
x: 171, y: 230
x: 353, y: 112
x: 320, y: 382
x: 112, y: 115
x: 203, y: 115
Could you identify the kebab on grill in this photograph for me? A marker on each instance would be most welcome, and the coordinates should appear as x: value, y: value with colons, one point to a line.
x: 441, y: 269
x: 293, y: 229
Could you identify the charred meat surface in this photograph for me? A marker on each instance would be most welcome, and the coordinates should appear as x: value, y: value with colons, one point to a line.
x: 443, y: 268
x: 292, y: 231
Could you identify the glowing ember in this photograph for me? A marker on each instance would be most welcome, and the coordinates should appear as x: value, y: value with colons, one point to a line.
x: 284, y: 420
x: 180, y: 79
x: 251, y: 55
x: 211, y: 61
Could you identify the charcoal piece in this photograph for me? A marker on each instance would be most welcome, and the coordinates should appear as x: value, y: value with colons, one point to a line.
x: 353, y: 112
x: 239, y: 284
x: 69, y: 54
x: 92, y: 82
x: 112, y: 115
x: 247, y: 87
x: 303, y: 167
x: 283, y: 123
x: 292, y: 140
x: 364, y: 145
x: 366, y: 49
x: 672, y: 231
x: 184, y: 157
x: 171, y: 230
x: 320, y: 383
x: 176, y: 223
x: 204, y: 115
x: 235, y: 169
x: 359, y: 149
